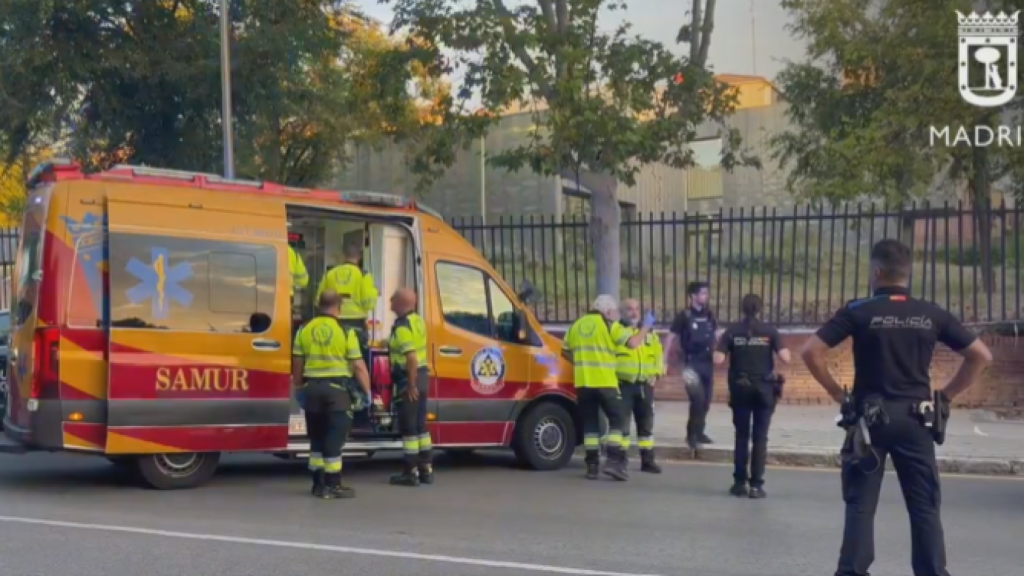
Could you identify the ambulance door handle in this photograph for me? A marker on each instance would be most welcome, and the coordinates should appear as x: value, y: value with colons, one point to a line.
x: 450, y: 351
x: 264, y: 345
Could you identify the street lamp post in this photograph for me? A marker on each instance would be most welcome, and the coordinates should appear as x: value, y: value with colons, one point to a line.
x: 225, y: 87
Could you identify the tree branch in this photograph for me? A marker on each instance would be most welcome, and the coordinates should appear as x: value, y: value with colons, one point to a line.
x: 512, y: 36
x: 705, y: 33
x: 696, y: 20
x: 548, y: 10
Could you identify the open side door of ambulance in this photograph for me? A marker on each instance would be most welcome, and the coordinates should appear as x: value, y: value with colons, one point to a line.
x: 200, y: 322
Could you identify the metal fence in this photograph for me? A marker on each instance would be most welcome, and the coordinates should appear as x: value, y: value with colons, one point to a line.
x: 805, y: 263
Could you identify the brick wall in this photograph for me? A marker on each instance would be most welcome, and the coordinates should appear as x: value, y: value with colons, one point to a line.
x: 1001, y: 386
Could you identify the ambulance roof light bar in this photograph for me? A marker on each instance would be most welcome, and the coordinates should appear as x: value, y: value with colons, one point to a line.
x: 367, y: 198
x: 40, y: 172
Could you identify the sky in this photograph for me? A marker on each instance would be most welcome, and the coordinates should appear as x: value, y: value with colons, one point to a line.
x: 736, y: 46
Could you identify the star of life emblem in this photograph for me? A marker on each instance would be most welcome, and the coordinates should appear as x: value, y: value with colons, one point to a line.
x: 988, y: 44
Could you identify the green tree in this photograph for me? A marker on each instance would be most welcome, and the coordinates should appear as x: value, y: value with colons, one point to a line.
x: 139, y: 81
x: 877, y: 77
x: 608, y: 102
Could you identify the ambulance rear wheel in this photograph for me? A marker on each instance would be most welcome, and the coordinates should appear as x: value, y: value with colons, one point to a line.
x: 178, y: 471
x: 545, y: 437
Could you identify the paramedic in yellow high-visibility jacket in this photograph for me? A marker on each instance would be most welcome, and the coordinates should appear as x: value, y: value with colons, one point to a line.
x: 358, y: 294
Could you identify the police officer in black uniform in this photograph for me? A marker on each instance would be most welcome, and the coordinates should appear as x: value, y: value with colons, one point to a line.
x: 695, y: 328
x: 751, y: 346
x: 894, y: 336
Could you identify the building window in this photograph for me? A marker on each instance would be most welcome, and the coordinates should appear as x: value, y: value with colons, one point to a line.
x: 191, y: 285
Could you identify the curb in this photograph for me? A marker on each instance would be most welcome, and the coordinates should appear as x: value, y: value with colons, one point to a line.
x: 830, y: 458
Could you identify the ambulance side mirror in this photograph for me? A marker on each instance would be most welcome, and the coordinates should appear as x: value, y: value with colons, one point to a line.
x: 521, y: 326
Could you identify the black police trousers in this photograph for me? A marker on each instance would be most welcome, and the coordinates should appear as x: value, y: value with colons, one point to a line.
x: 752, y: 409
x: 328, y: 408
x: 638, y: 403
x: 412, y: 418
x: 591, y: 402
x: 699, y: 407
x: 912, y: 449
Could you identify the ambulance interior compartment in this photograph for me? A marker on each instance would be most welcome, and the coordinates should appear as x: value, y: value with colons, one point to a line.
x: 320, y: 237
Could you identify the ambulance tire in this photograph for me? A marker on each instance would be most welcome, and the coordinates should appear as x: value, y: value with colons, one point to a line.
x: 545, y: 437
x: 177, y: 471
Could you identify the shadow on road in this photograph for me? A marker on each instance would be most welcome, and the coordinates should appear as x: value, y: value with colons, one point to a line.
x: 67, y: 473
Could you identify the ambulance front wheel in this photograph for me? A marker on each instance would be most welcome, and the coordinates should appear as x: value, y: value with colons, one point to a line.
x: 177, y: 471
x: 545, y: 437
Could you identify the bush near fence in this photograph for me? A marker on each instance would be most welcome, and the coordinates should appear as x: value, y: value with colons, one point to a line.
x: 805, y: 263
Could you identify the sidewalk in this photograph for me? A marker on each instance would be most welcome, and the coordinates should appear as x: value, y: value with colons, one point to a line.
x: 977, y: 441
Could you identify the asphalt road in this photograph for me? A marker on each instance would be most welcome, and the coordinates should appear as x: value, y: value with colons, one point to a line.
x: 76, y: 516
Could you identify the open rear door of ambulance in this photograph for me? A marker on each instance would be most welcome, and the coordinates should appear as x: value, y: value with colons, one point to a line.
x: 199, y: 326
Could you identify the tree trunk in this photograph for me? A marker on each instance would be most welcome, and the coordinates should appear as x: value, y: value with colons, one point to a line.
x: 605, y: 230
x: 982, y: 199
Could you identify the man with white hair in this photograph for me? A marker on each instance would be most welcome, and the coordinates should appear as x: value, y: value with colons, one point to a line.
x: 590, y: 345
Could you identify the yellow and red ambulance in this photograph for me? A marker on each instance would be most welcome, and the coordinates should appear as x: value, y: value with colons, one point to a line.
x: 152, y: 324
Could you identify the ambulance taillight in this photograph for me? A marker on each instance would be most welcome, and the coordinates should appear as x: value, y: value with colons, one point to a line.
x: 45, y: 379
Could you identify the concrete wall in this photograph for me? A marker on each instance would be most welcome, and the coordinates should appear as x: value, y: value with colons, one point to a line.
x: 465, y: 190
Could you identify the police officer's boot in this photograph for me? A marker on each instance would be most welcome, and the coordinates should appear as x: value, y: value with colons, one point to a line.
x: 738, y: 489
x: 593, y: 459
x: 756, y: 492
x: 615, y: 465
x: 318, y: 483
x: 408, y: 477
x: 647, y: 463
x: 335, y: 490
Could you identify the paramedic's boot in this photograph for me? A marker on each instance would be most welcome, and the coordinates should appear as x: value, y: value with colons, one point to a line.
x: 647, y: 463
x: 335, y: 489
x: 615, y: 464
x: 318, y: 483
x: 756, y: 492
x: 409, y: 476
x: 426, y: 472
x: 592, y: 459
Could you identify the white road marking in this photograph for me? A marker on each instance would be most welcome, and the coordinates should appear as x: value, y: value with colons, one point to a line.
x: 319, y: 547
x: 979, y: 432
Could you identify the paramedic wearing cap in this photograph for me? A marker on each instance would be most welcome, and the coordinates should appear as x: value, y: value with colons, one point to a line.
x: 358, y: 294
x: 325, y: 357
x: 894, y: 337
x: 407, y: 349
x: 590, y: 345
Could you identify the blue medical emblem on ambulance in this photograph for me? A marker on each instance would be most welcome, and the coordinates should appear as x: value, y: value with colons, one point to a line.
x: 159, y: 282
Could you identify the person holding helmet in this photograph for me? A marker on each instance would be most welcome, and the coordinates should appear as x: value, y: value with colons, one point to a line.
x: 751, y: 347
x: 590, y: 345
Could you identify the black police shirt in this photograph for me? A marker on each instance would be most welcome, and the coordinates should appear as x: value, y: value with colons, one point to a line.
x: 894, y: 337
x: 696, y: 331
x: 751, y: 349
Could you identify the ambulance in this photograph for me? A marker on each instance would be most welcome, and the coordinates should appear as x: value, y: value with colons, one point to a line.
x: 152, y: 324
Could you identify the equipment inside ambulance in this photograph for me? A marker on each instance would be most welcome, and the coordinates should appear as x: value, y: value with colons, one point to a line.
x: 153, y: 320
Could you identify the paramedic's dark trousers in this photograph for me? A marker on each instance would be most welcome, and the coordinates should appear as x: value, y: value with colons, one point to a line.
x: 593, y: 401
x: 913, y: 456
x: 751, y: 418
x: 328, y: 421
x: 699, y: 407
x: 638, y: 403
x: 412, y: 421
